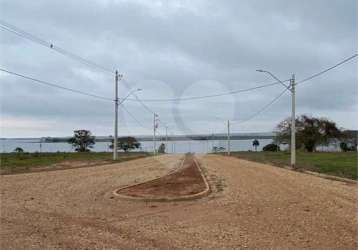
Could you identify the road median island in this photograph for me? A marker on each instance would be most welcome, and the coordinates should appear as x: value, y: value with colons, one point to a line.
x: 186, y: 183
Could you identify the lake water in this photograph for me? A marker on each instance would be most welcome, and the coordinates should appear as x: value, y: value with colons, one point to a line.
x: 202, y: 146
x: 194, y: 146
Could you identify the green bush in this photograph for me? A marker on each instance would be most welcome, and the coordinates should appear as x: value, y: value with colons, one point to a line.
x: 345, y: 148
x: 161, y: 149
x: 271, y: 147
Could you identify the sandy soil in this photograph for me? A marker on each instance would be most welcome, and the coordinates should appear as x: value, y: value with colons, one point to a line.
x: 252, y: 205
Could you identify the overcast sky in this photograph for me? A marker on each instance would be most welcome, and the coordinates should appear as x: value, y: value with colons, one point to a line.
x: 176, y: 49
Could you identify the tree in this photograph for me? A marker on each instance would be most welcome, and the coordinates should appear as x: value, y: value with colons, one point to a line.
x: 18, y: 150
x: 349, y: 140
x: 255, y: 143
x: 126, y: 143
x: 271, y: 147
x: 310, y: 132
x: 344, y: 147
x: 161, y: 149
x: 217, y: 149
x: 82, y: 140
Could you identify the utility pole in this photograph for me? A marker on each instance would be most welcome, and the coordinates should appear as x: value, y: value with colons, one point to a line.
x: 166, y: 138
x: 115, y: 140
x: 154, y: 130
x: 173, y: 144
x: 293, y: 122
x: 228, y: 137
x: 292, y: 88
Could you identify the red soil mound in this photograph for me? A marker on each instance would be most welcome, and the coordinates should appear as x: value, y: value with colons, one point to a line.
x: 186, y: 181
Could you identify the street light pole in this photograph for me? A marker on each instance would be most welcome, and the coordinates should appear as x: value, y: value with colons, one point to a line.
x: 293, y: 122
x: 166, y: 137
x: 292, y: 88
x: 228, y: 137
x: 41, y: 145
x: 154, y: 130
x: 117, y: 103
x: 115, y: 141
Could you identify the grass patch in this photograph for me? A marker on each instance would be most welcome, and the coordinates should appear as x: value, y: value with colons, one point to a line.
x: 342, y: 164
x: 26, y: 162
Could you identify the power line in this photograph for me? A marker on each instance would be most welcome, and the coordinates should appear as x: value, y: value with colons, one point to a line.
x: 330, y: 68
x: 262, y: 109
x: 209, y: 96
x: 25, y: 35
x: 75, y: 91
x: 248, y: 89
x: 302, y: 81
x: 19, y: 32
x: 133, y: 117
x: 56, y: 85
x: 144, y: 105
x: 149, y: 109
x: 72, y: 90
x: 13, y: 29
x: 138, y: 99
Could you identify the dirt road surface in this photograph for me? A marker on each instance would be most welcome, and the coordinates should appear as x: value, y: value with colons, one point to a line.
x: 252, y: 206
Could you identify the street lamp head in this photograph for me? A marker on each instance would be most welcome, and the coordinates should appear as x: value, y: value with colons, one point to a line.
x: 139, y: 89
x: 268, y: 72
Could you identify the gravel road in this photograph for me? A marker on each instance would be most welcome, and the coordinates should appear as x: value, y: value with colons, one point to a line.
x: 252, y: 205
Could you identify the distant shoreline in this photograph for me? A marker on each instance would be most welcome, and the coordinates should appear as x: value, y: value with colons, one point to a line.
x: 159, y: 138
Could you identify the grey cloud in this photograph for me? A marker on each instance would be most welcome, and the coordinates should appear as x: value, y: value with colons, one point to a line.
x: 179, y: 45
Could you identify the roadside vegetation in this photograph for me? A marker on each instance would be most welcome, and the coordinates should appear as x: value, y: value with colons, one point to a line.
x: 18, y: 162
x: 126, y: 143
x: 342, y: 164
x: 311, y: 134
x: 82, y: 141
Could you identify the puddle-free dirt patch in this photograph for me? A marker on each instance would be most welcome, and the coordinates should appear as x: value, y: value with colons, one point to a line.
x: 186, y: 183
